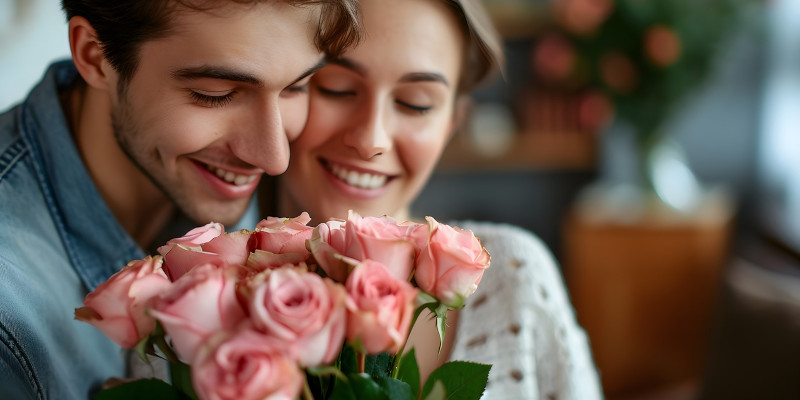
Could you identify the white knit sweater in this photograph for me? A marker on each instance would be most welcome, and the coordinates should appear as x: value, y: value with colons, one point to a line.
x: 521, y: 321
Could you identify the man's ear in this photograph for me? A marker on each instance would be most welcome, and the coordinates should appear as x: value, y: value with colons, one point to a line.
x: 87, y: 54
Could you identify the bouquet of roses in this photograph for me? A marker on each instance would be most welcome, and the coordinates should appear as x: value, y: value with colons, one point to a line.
x: 289, y: 311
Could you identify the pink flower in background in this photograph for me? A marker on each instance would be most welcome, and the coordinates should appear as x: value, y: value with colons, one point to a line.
x: 195, y: 237
x: 245, y: 365
x: 327, y: 243
x: 379, y: 308
x: 284, y: 235
x: 118, y: 306
x: 451, y: 265
x: 662, y: 45
x: 381, y: 239
x: 199, y: 304
x: 302, y: 310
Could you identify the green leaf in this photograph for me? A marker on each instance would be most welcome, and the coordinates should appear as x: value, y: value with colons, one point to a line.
x: 181, y: 376
x: 437, y: 393
x: 342, y: 390
x: 143, y: 348
x: 461, y: 379
x: 441, y: 323
x: 366, y: 388
x: 142, y: 389
x: 408, y: 371
x: 329, y: 370
x: 395, y: 389
x: 378, y: 364
x: 347, y: 360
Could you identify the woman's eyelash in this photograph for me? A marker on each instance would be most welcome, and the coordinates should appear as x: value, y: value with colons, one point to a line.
x: 211, y: 101
x: 345, y: 93
x: 419, y: 109
x: 336, y: 93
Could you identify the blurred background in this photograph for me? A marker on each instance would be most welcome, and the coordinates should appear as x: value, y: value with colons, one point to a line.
x: 653, y: 145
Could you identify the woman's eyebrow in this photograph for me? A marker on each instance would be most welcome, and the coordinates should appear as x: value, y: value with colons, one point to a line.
x: 349, y: 64
x: 425, y: 77
x: 410, y: 77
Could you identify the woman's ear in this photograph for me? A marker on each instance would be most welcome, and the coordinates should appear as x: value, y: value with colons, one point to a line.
x: 87, y: 54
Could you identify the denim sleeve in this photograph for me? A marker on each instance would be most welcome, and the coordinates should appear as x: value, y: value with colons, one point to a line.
x: 17, y: 380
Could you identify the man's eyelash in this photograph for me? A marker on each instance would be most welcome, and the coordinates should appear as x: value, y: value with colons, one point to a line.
x: 300, y: 88
x: 211, y: 101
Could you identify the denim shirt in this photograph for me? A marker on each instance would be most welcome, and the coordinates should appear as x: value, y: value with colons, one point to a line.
x: 58, y: 241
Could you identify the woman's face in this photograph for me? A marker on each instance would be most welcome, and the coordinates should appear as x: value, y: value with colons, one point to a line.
x: 380, y: 115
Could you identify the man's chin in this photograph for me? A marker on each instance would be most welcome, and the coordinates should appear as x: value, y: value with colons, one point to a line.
x: 227, y: 214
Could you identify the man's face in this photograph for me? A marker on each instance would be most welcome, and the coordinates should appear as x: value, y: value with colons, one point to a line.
x: 214, y: 105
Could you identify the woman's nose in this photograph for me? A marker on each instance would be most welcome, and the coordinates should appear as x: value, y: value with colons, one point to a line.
x: 370, y: 135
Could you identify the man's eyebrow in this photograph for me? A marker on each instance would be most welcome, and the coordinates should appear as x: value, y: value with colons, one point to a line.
x: 229, y: 74
x: 410, y: 77
x: 216, y: 72
x: 311, y: 70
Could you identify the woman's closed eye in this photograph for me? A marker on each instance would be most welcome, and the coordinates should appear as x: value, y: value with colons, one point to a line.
x: 413, y: 107
x: 334, y: 92
x: 208, y: 100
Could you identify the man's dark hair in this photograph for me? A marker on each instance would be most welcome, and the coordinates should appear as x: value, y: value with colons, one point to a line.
x: 122, y: 26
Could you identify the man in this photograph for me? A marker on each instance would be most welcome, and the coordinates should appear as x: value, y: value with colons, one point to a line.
x: 169, y: 107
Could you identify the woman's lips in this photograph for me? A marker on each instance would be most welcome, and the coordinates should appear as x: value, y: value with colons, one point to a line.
x: 358, y: 179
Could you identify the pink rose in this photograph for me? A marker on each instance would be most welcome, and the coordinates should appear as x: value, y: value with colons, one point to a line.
x: 326, y: 244
x: 379, y: 308
x: 381, y: 239
x: 302, y: 310
x: 180, y: 259
x: 260, y: 260
x: 117, y: 307
x: 233, y: 247
x: 245, y: 365
x: 195, y: 237
x: 227, y: 248
x: 451, y: 265
x: 284, y: 235
x: 199, y: 304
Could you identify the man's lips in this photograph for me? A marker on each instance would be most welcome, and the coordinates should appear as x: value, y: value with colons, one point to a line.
x: 234, y: 178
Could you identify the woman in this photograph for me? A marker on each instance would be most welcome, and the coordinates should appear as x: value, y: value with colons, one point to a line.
x: 380, y: 118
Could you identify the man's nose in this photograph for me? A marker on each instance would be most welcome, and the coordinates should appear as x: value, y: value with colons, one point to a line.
x: 263, y: 141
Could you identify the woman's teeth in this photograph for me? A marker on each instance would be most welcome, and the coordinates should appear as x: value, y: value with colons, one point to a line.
x: 357, y: 179
x: 232, y: 177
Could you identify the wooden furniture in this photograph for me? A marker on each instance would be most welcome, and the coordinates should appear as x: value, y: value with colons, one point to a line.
x: 644, y: 280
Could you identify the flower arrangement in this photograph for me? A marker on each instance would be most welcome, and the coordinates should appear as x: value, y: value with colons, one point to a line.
x: 633, y: 59
x: 290, y: 311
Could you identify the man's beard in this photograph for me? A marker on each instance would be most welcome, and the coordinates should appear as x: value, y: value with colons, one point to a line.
x: 126, y: 129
